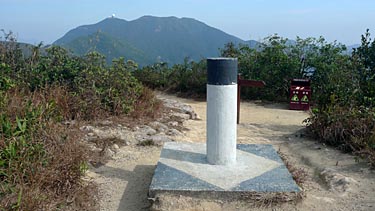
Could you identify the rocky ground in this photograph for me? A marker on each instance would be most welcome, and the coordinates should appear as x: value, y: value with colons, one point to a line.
x: 334, y: 181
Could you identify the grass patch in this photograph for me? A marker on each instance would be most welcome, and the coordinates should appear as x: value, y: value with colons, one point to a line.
x: 41, y: 161
x: 147, y: 143
x: 351, y: 129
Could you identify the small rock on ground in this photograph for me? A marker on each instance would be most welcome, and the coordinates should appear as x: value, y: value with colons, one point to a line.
x: 158, y: 126
x: 337, y: 181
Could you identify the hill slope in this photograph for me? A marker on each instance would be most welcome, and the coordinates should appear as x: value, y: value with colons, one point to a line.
x: 149, y: 39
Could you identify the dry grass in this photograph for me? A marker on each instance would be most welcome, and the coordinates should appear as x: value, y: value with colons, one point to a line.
x: 51, y: 179
x: 299, y: 174
x: 42, y: 163
x: 41, y: 168
x: 147, y: 105
x: 349, y: 129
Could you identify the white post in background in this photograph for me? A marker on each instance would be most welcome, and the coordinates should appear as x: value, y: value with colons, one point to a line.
x: 221, y: 111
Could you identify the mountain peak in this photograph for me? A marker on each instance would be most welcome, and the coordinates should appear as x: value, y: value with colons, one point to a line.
x: 149, y: 39
x: 145, y: 17
x: 169, y: 18
x: 112, y: 20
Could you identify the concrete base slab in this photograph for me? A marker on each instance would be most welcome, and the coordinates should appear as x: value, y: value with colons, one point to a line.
x: 183, y: 168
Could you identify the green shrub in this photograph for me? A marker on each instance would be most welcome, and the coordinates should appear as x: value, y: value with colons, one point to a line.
x: 189, y: 78
x: 41, y: 160
x: 40, y: 163
x: 272, y: 62
x: 154, y: 76
x: 344, y: 115
x: 95, y: 87
x: 350, y: 129
x: 5, y: 81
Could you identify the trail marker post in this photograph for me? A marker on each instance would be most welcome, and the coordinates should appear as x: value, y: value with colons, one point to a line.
x: 221, y: 109
x: 221, y: 167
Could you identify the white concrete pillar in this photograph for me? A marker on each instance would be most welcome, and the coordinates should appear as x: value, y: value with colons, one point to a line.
x: 221, y: 111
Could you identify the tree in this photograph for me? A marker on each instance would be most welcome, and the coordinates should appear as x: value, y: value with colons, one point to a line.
x: 364, y: 58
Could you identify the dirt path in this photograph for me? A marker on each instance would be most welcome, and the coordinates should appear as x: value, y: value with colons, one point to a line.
x: 334, y: 182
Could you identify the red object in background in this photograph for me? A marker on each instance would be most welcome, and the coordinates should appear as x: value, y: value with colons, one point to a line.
x: 246, y: 83
x: 300, y: 94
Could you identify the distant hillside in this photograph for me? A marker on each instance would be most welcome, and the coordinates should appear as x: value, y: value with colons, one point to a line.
x: 24, y: 47
x: 108, y: 46
x: 149, y: 39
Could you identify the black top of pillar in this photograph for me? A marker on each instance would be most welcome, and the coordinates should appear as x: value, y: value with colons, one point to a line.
x: 221, y: 71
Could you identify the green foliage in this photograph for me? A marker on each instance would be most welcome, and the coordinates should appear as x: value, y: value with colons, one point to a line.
x: 275, y: 60
x: 115, y: 87
x: 332, y: 77
x: 37, y: 167
x: 95, y: 87
x: 154, y: 76
x: 41, y: 162
x: 344, y: 115
x: 10, y: 52
x: 5, y: 81
x: 351, y: 129
x: 279, y: 60
x: 28, y: 154
x: 364, y: 58
x: 273, y: 63
x: 19, y: 152
x: 188, y: 78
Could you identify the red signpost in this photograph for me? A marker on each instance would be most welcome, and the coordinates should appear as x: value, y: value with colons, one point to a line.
x: 245, y: 83
x: 300, y: 94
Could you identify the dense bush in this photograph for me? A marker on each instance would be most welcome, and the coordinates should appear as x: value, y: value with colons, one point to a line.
x: 344, y: 115
x: 188, y: 78
x: 96, y: 88
x: 275, y: 60
x: 364, y: 58
x: 350, y: 129
x: 41, y: 160
x: 154, y: 76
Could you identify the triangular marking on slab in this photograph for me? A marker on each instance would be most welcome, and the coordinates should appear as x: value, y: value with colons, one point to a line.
x: 248, y: 165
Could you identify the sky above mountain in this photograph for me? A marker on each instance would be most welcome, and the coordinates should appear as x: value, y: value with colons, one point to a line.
x: 342, y: 20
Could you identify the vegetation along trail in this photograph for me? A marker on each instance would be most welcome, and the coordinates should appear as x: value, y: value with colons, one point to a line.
x: 333, y: 180
x: 65, y: 118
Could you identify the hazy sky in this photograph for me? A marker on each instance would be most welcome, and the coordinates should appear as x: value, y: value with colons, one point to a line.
x: 342, y: 20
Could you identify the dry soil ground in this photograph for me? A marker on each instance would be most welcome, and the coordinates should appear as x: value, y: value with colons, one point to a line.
x: 334, y: 182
